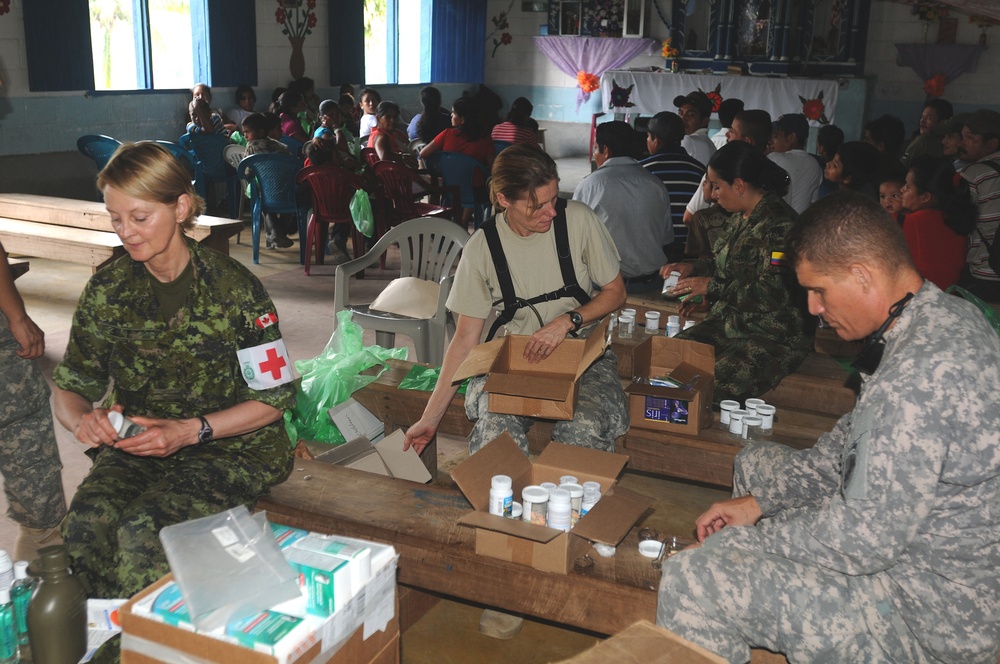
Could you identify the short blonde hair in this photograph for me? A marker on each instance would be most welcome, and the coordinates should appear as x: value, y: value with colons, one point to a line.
x: 150, y: 172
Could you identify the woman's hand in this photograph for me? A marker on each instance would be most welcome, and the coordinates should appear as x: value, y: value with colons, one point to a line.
x: 691, y: 286
x: 94, y: 428
x: 161, y: 438
x: 547, y: 339
x: 684, y: 269
x: 419, y: 435
x: 688, y: 308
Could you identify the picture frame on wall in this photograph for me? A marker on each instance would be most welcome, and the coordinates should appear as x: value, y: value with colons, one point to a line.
x: 534, y: 5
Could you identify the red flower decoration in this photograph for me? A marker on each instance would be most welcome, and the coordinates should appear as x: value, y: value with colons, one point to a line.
x: 4, y: 7
x: 814, y: 109
x: 311, y: 4
x: 312, y: 21
x: 934, y: 86
x: 279, y: 15
x: 716, y: 99
x: 505, y: 38
x: 587, y: 82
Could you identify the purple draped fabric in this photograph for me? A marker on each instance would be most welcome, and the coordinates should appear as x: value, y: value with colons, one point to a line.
x: 594, y: 55
x: 928, y: 60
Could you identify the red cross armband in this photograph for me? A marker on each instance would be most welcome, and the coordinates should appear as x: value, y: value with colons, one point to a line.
x: 266, y: 366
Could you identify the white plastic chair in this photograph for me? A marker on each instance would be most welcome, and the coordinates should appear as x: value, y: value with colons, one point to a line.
x: 429, y: 249
x: 233, y: 154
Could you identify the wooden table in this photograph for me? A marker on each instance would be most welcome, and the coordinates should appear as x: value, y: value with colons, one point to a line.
x: 438, y: 555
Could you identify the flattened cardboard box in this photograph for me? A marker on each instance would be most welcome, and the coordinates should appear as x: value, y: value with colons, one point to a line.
x: 646, y: 643
x: 545, y: 389
x: 543, y: 548
x: 688, y: 362
x: 379, y: 648
x: 384, y: 457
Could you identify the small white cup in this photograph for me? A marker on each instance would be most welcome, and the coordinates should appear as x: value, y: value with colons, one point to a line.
x: 766, y: 414
x: 726, y: 407
x: 652, y: 322
x: 751, y: 405
x: 626, y: 326
x: 736, y: 422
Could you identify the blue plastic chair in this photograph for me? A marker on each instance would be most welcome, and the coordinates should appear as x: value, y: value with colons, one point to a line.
x: 294, y: 145
x: 272, y: 191
x: 211, y: 166
x: 456, y: 170
x: 179, y: 151
x: 98, y: 147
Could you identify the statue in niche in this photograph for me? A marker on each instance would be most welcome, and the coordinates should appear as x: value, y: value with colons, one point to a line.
x: 691, y: 41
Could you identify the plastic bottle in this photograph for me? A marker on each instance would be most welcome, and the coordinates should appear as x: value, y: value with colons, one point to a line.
x: 501, y: 495
x: 9, y: 652
x: 534, y: 501
x: 57, y: 614
x: 125, y: 427
x: 560, y: 512
x: 20, y: 594
x: 575, y: 498
x: 6, y: 570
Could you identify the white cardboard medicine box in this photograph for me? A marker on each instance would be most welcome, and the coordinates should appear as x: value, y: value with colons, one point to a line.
x: 543, y: 548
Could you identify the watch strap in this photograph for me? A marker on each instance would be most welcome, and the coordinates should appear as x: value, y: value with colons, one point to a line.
x: 206, y: 433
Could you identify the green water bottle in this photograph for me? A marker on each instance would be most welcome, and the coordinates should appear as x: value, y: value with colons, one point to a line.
x: 20, y: 594
x: 9, y: 651
x: 57, y: 614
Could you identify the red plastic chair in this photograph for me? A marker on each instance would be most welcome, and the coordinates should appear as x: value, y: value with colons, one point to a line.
x: 332, y: 190
x: 369, y: 156
x: 403, y: 187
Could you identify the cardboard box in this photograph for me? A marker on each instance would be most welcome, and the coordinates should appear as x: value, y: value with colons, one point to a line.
x: 645, y: 643
x: 540, y: 547
x: 385, y: 457
x: 355, y: 421
x: 660, y: 408
x: 545, y: 389
x: 146, y: 640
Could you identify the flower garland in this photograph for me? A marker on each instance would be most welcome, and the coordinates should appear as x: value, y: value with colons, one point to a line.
x: 930, y: 11
x: 587, y: 82
x: 667, y: 50
x: 934, y: 86
x: 296, y: 21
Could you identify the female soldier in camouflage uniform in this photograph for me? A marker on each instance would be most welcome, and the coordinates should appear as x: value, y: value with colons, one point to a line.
x: 187, y: 341
x: 757, y: 322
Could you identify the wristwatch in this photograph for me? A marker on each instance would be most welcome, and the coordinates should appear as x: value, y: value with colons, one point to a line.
x: 206, y: 434
x: 576, y: 319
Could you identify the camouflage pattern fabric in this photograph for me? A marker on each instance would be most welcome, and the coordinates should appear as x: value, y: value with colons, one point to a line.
x: 707, y: 227
x: 29, y: 457
x: 601, y: 413
x: 882, y: 542
x: 758, y: 322
x: 175, y: 369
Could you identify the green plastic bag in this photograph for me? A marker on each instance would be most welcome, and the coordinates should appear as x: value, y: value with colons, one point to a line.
x: 361, y: 210
x: 331, y: 378
x: 425, y: 378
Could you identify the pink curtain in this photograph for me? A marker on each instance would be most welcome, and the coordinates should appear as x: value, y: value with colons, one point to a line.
x: 594, y: 55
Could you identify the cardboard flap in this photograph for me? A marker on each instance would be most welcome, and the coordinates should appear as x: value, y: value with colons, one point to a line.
x: 613, y: 516
x: 690, y: 374
x: 348, y: 453
x: 514, y: 527
x: 589, y: 465
x: 479, y: 361
x: 402, y: 465
x: 595, y: 345
x: 354, y: 421
x: 648, y: 390
x: 533, y: 387
x: 499, y: 455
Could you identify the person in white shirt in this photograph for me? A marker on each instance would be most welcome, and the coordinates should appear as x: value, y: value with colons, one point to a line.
x: 790, y: 132
x: 727, y: 113
x: 695, y: 109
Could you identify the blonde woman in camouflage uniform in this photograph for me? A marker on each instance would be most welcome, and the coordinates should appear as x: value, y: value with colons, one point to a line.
x: 188, y: 343
x: 757, y: 321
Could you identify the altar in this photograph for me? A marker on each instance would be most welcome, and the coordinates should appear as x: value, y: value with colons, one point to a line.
x: 649, y: 92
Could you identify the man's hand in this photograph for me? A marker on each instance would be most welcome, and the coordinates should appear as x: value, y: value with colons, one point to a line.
x: 547, y: 339
x: 691, y: 306
x: 742, y: 511
x: 419, y: 436
x: 29, y: 337
x: 685, y: 269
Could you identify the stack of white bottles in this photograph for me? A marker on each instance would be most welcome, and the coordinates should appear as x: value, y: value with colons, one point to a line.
x: 15, y: 592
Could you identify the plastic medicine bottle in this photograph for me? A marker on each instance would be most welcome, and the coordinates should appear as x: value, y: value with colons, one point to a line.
x: 20, y: 594
x: 57, y: 614
x: 501, y: 495
x: 6, y: 570
x: 9, y: 651
x: 560, y: 512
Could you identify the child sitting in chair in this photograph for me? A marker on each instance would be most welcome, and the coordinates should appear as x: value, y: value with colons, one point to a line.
x: 276, y: 226
x: 203, y: 120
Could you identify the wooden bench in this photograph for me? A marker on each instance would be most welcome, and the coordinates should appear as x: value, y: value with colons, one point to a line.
x: 80, y: 231
x: 707, y: 457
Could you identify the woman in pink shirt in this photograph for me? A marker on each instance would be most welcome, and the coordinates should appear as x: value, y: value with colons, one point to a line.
x: 940, y: 217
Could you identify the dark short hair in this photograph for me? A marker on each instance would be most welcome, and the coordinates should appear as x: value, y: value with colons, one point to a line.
x: 844, y: 228
x: 242, y: 90
x: 860, y: 162
x: 936, y: 176
x: 273, y: 120
x: 889, y: 131
x: 728, y: 110
x: 327, y: 105
x: 373, y: 93
x: 831, y: 137
x: 942, y: 107
x: 756, y: 124
x: 385, y: 108
x: 739, y: 159
x: 617, y: 136
x: 667, y: 126
x: 255, y: 122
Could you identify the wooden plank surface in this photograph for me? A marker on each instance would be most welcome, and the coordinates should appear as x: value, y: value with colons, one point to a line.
x: 74, y: 245
x: 438, y: 555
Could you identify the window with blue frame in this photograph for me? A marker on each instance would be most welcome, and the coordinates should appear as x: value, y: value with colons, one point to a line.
x: 397, y: 41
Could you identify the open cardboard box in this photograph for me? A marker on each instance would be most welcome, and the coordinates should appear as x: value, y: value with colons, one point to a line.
x: 643, y: 643
x: 546, y: 389
x: 385, y: 457
x: 543, y: 548
x: 688, y: 362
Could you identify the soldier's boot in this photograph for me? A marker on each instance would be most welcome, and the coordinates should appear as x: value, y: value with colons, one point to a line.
x: 30, y: 540
x: 498, y: 625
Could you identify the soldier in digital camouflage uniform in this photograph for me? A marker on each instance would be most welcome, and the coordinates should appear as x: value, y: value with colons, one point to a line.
x: 757, y: 321
x: 882, y: 542
x: 525, y: 232
x: 197, y: 359
x: 29, y: 457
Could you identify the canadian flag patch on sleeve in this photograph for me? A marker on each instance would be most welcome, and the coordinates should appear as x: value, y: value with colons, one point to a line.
x: 267, y: 320
x: 265, y: 366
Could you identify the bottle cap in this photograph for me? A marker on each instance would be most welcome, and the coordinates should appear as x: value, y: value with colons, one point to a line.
x: 501, y: 482
x: 21, y: 569
x: 559, y: 497
x: 53, y: 558
x: 116, y: 419
x: 595, y: 486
